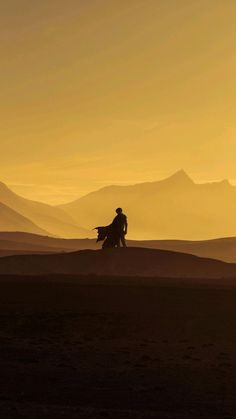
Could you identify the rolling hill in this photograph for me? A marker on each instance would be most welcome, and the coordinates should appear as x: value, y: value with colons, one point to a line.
x: 12, y: 243
x: 50, y: 219
x: 223, y: 248
x: 135, y: 262
x: 20, y: 243
x: 174, y: 208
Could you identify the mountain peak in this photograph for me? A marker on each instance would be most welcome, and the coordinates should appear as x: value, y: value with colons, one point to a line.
x: 225, y: 182
x: 181, y: 177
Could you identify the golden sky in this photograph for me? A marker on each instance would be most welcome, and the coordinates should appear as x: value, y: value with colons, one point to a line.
x: 95, y: 92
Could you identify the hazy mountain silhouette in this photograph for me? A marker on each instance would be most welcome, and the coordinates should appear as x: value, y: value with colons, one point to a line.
x: 21, y: 243
x: 223, y: 249
x: 48, y: 218
x: 135, y: 262
x: 175, y: 207
x: 13, y: 221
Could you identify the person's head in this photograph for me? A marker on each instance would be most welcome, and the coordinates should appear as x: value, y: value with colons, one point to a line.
x: 118, y: 210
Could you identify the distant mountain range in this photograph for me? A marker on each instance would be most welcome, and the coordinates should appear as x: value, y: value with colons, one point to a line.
x: 135, y: 262
x: 173, y: 208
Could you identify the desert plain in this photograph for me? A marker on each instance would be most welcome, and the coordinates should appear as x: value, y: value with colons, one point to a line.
x: 117, y: 347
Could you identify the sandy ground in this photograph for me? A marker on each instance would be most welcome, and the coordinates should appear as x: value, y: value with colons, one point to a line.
x: 116, y: 349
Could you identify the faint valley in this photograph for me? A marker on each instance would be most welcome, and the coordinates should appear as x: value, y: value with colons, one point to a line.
x: 10, y: 220
x: 45, y: 219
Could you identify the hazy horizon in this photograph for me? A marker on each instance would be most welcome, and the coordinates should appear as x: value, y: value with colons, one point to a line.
x: 99, y: 93
x: 57, y: 201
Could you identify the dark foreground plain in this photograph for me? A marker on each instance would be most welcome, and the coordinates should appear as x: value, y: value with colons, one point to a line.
x: 83, y: 347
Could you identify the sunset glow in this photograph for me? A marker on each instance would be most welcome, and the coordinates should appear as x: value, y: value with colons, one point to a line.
x: 115, y: 92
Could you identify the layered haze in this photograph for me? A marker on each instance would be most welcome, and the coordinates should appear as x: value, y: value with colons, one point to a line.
x: 20, y: 214
x: 173, y: 208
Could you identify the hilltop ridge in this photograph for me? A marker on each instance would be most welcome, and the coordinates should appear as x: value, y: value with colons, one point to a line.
x: 135, y: 262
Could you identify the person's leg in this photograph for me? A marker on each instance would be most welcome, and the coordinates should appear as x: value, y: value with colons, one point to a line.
x: 123, y: 241
x: 117, y: 239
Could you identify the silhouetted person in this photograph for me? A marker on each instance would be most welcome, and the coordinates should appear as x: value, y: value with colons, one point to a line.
x: 113, y: 234
x: 120, y: 227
